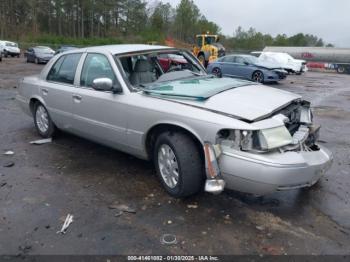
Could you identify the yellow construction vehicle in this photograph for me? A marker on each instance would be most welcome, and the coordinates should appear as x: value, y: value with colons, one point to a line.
x: 207, y: 48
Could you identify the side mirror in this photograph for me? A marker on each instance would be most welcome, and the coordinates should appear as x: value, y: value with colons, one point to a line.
x: 246, y: 63
x: 106, y: 84
x: 102, y: 84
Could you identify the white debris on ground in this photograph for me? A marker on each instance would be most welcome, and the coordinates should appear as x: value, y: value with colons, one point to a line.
x: 9, y: 153
x: 67, y: 222
x: 41, y: 141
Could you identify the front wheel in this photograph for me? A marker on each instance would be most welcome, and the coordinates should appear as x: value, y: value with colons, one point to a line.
x: 258, y: 77
x: 43, y: 123
x: 178, y: 163
x: 217, y: 72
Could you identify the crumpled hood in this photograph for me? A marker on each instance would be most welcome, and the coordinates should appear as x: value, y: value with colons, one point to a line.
x: 238, y: 98
x: 253, y: 102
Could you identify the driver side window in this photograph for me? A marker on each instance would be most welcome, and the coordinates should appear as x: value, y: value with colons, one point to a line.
x: 96, y: 66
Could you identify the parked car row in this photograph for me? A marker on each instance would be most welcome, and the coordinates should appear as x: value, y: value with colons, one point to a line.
x: 35, y: 54
x: 261, y: 67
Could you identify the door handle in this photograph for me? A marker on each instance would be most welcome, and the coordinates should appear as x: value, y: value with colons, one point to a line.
x: 44, y: 91
x: 77, y: 98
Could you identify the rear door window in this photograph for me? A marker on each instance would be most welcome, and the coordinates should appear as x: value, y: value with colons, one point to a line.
x: 64, y: 69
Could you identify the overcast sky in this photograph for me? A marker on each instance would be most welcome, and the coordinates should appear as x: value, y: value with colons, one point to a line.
x: 328, y: 19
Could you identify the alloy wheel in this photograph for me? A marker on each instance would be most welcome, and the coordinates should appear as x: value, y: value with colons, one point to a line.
x: 258, y: 77
x: 168, y: 166
x: 42, y: 119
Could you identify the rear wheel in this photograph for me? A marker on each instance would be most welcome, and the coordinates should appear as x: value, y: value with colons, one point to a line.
x: 258, y: 76
x: 217, y: 72
x: 43, y: 123
x: 341, y: 69
x: 178, y: 163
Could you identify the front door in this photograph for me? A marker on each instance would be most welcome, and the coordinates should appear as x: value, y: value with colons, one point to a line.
x: 99, y: 115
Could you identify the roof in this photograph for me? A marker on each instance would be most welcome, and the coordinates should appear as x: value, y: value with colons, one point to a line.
x: 120, y: 49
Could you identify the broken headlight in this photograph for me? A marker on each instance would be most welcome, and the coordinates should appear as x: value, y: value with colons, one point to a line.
x: 306, y: 116
x: 255, y: 140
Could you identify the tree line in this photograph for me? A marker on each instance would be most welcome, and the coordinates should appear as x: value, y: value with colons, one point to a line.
x: 89, y: 22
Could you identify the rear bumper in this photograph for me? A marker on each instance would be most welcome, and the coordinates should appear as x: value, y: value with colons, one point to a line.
x: 265, y: 174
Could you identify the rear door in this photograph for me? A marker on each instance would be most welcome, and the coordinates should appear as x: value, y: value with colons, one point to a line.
x: 58, y: 88
x: 227, y: 66
x: 99, y: 115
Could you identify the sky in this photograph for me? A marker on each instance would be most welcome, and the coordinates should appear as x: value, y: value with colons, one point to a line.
x: 328, y: 19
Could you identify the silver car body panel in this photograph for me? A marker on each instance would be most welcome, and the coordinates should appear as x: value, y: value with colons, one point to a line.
x: 124, y: 120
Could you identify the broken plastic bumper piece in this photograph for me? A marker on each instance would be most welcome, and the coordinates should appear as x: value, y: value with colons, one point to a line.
x: 214, y: 183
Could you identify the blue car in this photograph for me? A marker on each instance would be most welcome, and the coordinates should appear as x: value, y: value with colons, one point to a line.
x: 246, y: 67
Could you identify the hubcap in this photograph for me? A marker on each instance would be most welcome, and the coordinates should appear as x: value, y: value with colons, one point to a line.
x: 168, y: 166
x: 42, y: 119
x: 258, y: 77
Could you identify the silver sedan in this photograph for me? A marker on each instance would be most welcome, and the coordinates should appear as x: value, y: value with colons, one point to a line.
x: 201, y: 132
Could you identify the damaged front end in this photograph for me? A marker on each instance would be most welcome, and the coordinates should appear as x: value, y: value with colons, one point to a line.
x: 288, y: 135
x: 291, y: 129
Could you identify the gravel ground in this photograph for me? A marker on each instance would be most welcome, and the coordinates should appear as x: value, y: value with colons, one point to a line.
x: 74, y: 176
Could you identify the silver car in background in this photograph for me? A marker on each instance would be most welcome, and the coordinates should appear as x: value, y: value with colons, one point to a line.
x: 201, y: 132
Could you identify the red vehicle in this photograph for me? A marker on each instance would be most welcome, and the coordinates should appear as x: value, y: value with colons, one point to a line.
x: 172, y: 61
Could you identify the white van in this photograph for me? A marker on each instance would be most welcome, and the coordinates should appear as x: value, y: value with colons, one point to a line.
x: 8, y: 48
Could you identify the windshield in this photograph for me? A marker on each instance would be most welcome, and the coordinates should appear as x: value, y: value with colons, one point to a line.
x: 209, y: 40
x: 149, y: 68
x: 11, y: 44
x: 173, y: 74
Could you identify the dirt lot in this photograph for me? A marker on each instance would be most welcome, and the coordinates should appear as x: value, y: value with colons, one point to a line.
x: 72, y: 175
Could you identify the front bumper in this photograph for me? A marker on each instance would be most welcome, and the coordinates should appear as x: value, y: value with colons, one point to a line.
x: 12, y: 53
x: 263, y: 174
x: 274, y: 76
x: 44, y: 59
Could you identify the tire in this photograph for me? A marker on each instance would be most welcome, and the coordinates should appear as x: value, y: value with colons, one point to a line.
x: 42, y: 120
x: 341, y: 70
x: 177, y: 152
x: 258, y: 77
x: 217, y: 72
